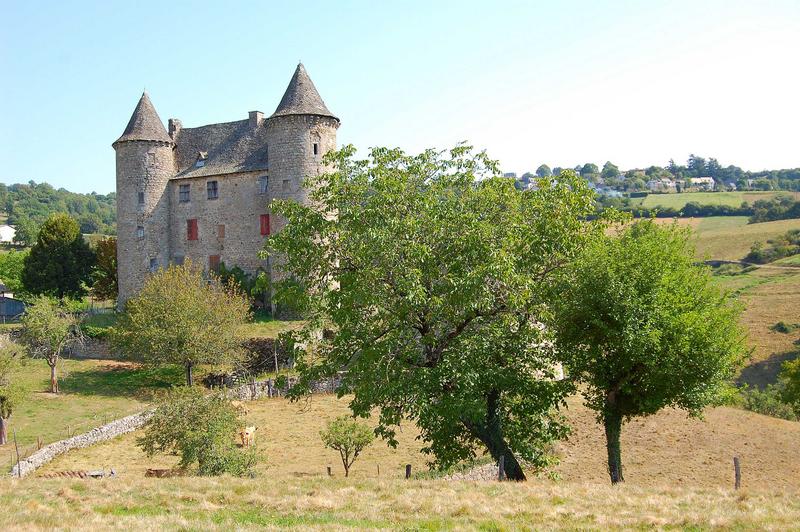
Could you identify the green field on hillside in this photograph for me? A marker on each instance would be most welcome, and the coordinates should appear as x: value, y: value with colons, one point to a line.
x: 732, y: 199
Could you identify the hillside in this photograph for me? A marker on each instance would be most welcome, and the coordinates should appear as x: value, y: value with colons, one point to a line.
x: 731, y: 199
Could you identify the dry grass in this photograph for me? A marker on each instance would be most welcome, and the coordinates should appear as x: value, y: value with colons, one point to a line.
x: 733, y: 199
x: 666, y: 448
x: 339, y: 504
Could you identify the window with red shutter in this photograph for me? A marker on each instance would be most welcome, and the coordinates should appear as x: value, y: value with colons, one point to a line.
x: 265, y: 224
x: 213, y: 263
x: 191, y: 229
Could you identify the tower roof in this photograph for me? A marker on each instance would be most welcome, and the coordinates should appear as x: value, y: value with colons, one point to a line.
x: 145, y: 123
x: 301, y: 97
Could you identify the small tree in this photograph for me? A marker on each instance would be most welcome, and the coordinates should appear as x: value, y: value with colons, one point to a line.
x: 179, y: 317
x: 349, y: 437
x: 11, y: 393
x: 201, y: 428
x: 60, y: 262
x: 790, y: 381
x: 104, y: 276
x: 642, y: 327
x: 48, y: 330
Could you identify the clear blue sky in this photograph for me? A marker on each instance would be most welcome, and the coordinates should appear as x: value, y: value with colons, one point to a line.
x: 550, y: 82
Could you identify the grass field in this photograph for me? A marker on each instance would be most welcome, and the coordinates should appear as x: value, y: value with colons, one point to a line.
x: 732, y: 199
x: 667, y: 448
x: 357, y: 504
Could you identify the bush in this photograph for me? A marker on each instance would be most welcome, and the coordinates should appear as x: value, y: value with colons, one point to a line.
x: 783, y: 327
x: 768, y: 402
x: 201, y: 429
x: 349, y: 437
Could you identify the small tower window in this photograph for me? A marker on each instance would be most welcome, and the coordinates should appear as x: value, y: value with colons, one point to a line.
x: 212, y: 189
x: 183, y: 193
x: 153, y: 265
x: 140, y: 196
x: 285, y: 185
x: 140, y: 232
x: 263, y: 184
x: 151, y: 159
x: 316, y: 149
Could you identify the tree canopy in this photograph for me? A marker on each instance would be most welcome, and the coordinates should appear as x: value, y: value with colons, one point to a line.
x: 642, y: 327
x: 432, y: 271
x: 48, y: 329
x: 60, y: 263
x: 180, y: 317
x: 104, y: 276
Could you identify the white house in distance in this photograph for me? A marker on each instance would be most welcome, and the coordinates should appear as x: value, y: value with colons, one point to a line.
x: 702, y: 183
x: 661, y: 185
x: 7, y: 233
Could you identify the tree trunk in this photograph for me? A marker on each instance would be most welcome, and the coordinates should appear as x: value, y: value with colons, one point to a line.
x: 189, y: 374
x: 3, y: 430
x: 613, y: 424
x: 53, y: 379
x: 490, y: 433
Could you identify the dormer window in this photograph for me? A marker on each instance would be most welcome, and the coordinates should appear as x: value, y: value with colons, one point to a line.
x: 201, y: 159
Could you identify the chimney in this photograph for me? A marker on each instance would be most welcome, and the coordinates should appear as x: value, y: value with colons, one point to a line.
x: 174, y: 127
x: 256, y: 117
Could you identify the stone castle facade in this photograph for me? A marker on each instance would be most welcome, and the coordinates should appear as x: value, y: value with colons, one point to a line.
x: 203, y: 193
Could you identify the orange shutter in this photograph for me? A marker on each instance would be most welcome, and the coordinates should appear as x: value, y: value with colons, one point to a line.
x: 191, y: 229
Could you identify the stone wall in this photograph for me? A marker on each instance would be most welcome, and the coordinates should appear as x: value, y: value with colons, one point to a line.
x: 229, y: 226
x: 93, y: 348
x: 96, y: 435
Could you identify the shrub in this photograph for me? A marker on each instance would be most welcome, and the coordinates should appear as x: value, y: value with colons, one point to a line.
x: 768, y: 402
x: 349, y: 437
x: 783, y: 327
x: 201, y: 429
x: 789, y: 380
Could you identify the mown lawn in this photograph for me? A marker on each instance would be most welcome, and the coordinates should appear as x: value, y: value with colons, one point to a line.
x: 354, y: 504
x: 732, y: 199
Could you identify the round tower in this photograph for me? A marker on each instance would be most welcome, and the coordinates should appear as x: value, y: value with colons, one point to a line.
x: 145, y: 163
x: 299, y: 133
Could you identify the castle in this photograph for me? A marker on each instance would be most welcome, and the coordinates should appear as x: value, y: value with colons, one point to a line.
x: 203, y: 193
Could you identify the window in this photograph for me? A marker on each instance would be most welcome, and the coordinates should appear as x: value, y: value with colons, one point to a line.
x: 316, y: 149
x: 183, y: 193
x: 191, y: 229
x: 139, y: 232
x: 285, y: 185
x: 212, y: 189
x: 201, y: 159
x: 151, y: 159
x: 213, y: 263
x: 153, y: 265
x: 200, y: 163
x: 221, y: 231
x: 265, y: 224
x: 140, y: 197
x: 178, y: 260
x: 263, y: 184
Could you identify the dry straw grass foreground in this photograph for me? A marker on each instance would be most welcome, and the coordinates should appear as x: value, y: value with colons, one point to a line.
x: 225, y: 504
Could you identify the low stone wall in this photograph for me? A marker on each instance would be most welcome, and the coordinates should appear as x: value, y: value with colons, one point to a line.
x: 93, y: 348
x: 247, y: 392
x: 96, y: 435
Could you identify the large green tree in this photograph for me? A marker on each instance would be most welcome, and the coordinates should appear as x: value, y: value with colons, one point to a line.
x: 180, y: 317
x: 60, y: 263
x: 431, y: 273
x: 641, y: 327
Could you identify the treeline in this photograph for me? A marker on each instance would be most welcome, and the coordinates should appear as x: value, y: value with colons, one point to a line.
x: 29, y: 205
x: 636, y: 179
x: 767, y: 210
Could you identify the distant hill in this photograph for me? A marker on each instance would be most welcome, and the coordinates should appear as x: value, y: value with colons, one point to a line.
x: 28, y: 205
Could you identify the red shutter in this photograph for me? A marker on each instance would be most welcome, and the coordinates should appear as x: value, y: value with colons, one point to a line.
x: 213, y: 263
x: 191, y: 229
x: 265, y: 224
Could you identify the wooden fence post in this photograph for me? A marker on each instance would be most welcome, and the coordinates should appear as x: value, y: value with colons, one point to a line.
x: 501, y: 468
x: 19, y: 469
x: 737, y: 472
x: 408, y: 471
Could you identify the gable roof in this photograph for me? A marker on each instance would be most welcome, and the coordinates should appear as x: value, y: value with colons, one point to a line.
x: 145, y: 123
x: 301, y: 97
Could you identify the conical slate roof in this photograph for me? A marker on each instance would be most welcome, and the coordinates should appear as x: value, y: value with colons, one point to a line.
x: 145, y: 123
x: 301, y: 97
